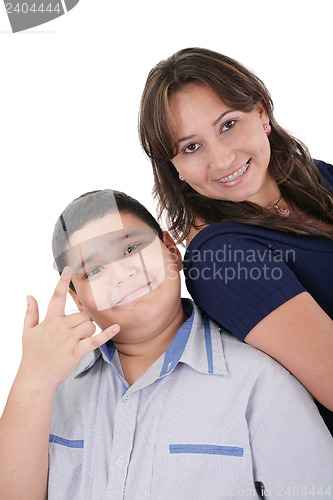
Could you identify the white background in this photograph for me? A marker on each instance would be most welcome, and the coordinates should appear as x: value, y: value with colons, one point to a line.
x: 69, y: 99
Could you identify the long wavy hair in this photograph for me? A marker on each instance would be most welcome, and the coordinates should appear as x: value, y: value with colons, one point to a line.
x: 290, y: 163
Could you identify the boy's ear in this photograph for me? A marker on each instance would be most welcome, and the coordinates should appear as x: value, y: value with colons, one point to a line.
x: 77, y: 301
x: 171, y: 246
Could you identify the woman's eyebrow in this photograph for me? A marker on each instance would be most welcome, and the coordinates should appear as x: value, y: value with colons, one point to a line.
x: 215, y: 122
x: 185, y: 138
x: 222, y: 115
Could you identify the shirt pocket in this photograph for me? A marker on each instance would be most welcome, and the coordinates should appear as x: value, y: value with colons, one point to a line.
x: 204, y: 470
x: 65, y: 467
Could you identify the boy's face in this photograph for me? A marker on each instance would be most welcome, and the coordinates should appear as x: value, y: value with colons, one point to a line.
x: 124, y: 274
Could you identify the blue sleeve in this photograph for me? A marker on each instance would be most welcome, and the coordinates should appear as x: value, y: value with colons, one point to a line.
x: 326, y: 171
x: 238, y: 279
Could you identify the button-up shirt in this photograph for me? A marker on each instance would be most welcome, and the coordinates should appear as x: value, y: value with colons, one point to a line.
x: 209, y: 418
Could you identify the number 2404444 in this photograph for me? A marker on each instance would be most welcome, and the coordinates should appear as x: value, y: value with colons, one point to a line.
x: 297, y: 491
x: 35, y: 8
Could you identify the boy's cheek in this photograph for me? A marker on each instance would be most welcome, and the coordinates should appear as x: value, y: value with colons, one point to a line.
x: 87, y: 296
x: 95, y: 295
x: 173, y: 272
x: 99, y: 299
x: 153, y: 264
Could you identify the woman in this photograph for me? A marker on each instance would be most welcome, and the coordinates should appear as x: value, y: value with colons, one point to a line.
x: 255, y: 210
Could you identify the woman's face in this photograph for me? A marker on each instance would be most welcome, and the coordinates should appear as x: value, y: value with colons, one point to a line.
x: 222, y: 153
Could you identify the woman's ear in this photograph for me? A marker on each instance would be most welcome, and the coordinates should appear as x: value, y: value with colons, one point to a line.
x: 262, y: 112
x: 77, y: 301
x: 171, y: 246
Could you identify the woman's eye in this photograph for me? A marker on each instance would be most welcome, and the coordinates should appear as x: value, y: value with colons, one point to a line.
x: 228, y: 125
x: 94, y: 271
x: 191, y: 148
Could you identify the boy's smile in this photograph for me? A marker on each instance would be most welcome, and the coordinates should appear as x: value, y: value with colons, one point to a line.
x: 123, y: 273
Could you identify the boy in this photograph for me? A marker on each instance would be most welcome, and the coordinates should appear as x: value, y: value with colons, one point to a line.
x: 171, y: 407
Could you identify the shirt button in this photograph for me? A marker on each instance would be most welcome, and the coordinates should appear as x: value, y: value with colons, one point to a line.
x: 126, y: 399
x: 120, y: 461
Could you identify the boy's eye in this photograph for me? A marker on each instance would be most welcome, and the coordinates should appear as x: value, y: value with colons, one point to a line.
x: 191, y: 148
x: 228, y: 125
x: 94, y: 271
x: 131, y: 248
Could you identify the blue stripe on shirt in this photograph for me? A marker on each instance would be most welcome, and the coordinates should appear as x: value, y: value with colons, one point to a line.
x: 209, y: 449
x: 69, y: 443
x: 208, y: 340
x: 176, y: 349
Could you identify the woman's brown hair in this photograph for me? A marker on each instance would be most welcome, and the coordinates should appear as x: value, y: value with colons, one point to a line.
x: 290, y: 164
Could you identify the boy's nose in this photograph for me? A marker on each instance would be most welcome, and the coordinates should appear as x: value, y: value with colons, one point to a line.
x: 121, y: 271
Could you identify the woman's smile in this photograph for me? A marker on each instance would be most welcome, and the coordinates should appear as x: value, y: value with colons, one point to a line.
x: 228, y: 180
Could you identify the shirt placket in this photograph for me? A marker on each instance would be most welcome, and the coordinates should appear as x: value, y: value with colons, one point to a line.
x: 123, y: 440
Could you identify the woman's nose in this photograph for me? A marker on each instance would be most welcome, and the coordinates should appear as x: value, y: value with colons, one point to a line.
x: 220, y: 155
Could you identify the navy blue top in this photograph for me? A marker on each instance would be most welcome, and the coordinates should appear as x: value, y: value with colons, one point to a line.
x: 239, y: 273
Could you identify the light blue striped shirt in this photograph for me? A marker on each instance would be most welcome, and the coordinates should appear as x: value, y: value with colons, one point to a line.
x: 209, y: 417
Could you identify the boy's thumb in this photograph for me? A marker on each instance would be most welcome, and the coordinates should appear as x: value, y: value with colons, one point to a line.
x: 32, y: 316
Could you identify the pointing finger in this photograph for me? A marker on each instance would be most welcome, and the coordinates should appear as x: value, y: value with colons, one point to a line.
x: 58, y: 300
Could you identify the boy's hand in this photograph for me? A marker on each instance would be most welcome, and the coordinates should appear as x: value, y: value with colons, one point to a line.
x: 53, y: 348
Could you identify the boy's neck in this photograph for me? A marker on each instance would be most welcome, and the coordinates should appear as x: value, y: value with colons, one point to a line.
x: 137, y: 358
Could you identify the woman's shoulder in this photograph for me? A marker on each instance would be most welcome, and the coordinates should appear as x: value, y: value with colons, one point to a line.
x: 248, y: 235
x: 203, y: 232
x: 326, y: 172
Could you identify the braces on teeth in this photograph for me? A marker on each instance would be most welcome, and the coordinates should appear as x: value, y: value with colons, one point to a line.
x: 235, y: 175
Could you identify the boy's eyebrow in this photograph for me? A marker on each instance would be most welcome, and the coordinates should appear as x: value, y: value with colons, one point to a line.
x: 85, y: 261
x: 125, y: 235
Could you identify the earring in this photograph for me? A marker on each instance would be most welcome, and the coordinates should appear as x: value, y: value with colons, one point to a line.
x: 182, y: 178
x: 267, y: 128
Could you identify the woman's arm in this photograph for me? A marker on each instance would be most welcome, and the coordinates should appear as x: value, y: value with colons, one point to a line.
x: 240, y: 280
x: 299, y: 335
x: 291, y: 447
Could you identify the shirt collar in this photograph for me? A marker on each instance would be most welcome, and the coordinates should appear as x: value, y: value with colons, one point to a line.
x: 107, y: 351
x: 187, y: 347
x: 87, y: 362
x: 197, y: 343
